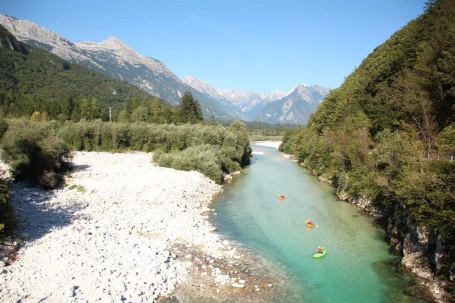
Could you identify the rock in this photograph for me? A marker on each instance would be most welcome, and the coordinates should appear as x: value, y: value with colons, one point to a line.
x: 72, y: 291
x: 205, y: 210
x: 24, y: 235
x: 238, y: 285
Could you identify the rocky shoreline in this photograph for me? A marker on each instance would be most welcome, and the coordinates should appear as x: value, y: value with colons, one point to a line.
x: 125, y: 230
x: 413, y: 248
x: 412, y: 243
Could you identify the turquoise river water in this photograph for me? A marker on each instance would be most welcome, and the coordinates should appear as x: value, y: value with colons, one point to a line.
x: 357, y: 266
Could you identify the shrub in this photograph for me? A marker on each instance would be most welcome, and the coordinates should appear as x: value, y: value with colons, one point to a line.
x: 49, y: 179
x: 7, y: 221
x: 3, y: 128
x: 35, y: 154
x: 203, y: 158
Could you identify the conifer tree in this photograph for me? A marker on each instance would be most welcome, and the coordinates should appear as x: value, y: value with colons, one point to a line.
x: 190, y: 109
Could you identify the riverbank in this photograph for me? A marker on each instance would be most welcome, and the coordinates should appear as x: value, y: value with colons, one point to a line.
x: 124, y: 229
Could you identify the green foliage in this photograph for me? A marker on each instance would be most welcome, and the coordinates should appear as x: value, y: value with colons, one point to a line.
x: 178, y: 144
x: 34, y: 152
x: 7, y: 221
x: 79, y: 188
x: 389, y: 131
x: 446, y: 141
x: 214, y: 151
x: 261, y: 131
x: 3, y: 127
x: 203, y: 158
x: 189, y: 110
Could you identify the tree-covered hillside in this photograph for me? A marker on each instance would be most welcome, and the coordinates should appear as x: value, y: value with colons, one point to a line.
x: 388, y: 133
x: 34, y: 80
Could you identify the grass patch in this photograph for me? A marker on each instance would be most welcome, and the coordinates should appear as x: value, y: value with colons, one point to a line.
x: 79, y: 188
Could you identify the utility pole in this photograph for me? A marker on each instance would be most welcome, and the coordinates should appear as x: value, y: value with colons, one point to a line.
x: 110, y: 113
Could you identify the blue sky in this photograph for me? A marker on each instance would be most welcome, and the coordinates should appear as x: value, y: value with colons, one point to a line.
x: 249, y: 45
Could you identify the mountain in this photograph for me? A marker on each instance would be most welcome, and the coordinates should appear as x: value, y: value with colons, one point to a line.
x: 251, y: 103
x: 294, y: 107
x: 8, y: 42
x: 114, y: 58
x: 35, y: 80
x: 211, y: 93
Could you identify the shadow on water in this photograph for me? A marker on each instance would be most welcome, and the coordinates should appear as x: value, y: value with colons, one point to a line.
x: 406, y: 288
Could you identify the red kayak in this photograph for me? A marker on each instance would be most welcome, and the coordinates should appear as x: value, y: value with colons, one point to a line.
x: 309, y: 223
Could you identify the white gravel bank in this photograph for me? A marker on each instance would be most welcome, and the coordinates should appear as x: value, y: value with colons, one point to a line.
x: 275, y: 144
x: 112, y: 241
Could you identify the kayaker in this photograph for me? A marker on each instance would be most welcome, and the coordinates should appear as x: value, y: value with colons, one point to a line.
x: 320, y: 250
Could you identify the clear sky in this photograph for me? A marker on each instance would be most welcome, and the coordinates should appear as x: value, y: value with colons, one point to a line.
x: 249, y: 45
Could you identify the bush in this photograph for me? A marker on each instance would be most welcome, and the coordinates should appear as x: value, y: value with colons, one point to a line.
x: 49, y: 179
x: 203, y: 158
x: 35, y: 154
x: 7, y: 221
x: 3, y: 128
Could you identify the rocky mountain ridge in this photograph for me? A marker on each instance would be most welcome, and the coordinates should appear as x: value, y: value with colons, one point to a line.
x: 292, y: 107
x: 116, y: 47
x: 114, y: 58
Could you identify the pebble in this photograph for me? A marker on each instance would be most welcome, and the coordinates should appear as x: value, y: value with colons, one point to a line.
x: 112, y: 240
x: 238, y: 285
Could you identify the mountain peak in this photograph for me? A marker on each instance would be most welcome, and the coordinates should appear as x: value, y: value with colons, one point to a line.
x: 201, y: 86
x: 111, y: 44
x: 196, y: 83
x: 114, y: 43
x: 301, y: 86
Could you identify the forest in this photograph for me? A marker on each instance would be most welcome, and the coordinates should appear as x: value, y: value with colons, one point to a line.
x: 388, y: 133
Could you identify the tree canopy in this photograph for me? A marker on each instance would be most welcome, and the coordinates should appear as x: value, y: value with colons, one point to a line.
x: 190, y: 110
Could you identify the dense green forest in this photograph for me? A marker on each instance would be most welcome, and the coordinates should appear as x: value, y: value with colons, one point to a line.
x: 50, y: 107
x: 388, y: 133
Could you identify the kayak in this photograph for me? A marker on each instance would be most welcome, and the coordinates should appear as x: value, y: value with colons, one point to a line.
x: 319, y: 255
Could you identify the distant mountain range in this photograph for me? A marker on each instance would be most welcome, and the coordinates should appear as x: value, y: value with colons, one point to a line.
x: 113, y: 58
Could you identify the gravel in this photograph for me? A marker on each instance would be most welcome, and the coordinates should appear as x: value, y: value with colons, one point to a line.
x: 111, y: 233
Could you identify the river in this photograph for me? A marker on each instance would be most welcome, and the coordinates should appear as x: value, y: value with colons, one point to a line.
x: 357, y: 266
